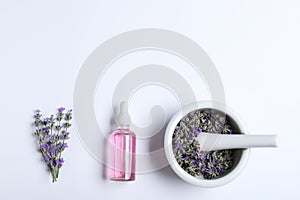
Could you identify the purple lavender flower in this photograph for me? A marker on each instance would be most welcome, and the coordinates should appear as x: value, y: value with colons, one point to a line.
x: 65, y: 145
x: 61, y: 146
x: 64, y: 135
x: 59, y: 161
x: 44, y: 146
x: 45, y: 129
x: 46, y: 157
x: 37, y: 111
x: 61, y: 109
x: 52, y: 134
x: 53, y: 151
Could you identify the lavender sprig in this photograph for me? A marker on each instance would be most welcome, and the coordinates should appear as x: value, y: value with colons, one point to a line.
x: 186, y: 148
x: 52, y: 133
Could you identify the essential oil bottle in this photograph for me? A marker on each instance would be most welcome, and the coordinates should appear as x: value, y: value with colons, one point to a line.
x: 122, y: 148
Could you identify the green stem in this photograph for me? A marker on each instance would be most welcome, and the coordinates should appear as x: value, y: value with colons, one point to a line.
x: 53, y: 173
x: 57, y: 172
x: 63, y: 143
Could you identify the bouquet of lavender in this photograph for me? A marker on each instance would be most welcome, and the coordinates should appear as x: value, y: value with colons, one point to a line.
x: 52, y: 133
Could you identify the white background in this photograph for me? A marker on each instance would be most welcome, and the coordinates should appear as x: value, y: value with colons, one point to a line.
x: 254, y: 44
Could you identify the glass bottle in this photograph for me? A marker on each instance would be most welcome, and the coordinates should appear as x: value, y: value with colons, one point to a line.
x: 122, y: 148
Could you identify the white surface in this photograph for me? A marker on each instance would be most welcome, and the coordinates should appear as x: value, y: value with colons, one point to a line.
x: 254, y: 44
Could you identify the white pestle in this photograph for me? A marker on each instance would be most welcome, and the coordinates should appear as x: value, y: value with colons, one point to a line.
x: 216, y: 141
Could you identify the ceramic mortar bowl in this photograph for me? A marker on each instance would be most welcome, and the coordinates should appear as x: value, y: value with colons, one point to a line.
x: 240, y: 156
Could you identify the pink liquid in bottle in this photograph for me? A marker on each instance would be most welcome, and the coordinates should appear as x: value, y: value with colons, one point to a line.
x: 122, y: 149
x: 122, y: 155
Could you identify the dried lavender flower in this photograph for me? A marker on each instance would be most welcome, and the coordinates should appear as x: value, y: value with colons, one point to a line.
x: 186, y: 148
x: 51, y: 134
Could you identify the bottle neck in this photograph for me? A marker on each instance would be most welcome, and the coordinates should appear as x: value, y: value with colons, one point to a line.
x: 124, y: 127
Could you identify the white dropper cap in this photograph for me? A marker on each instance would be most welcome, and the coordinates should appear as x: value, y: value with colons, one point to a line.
x: 123, y: 118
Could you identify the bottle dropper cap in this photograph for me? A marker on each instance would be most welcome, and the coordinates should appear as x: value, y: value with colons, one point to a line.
x: 123, y: 119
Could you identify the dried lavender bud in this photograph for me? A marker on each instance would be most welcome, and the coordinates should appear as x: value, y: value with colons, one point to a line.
x: 60, y: 110
x: 186, y: 148
x: 51, y: 136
